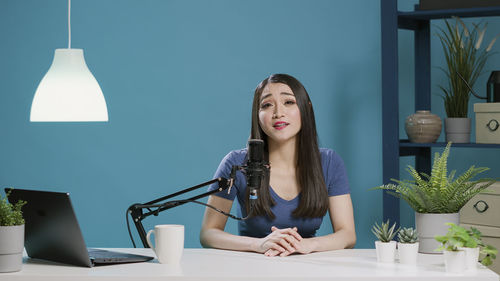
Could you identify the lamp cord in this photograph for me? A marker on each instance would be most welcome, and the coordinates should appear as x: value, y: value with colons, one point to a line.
x: 69, y: 24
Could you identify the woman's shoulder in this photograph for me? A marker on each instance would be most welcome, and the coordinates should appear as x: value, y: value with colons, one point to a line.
x: 329, y: 155
x: 236, y: 157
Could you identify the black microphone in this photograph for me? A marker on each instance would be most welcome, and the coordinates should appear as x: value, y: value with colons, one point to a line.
x: 255, y: 167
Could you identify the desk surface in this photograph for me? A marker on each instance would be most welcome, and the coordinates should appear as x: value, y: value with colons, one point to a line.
x: 211, y: 264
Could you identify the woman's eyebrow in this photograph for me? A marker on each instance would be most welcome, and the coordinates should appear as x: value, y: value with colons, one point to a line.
x: 282, y: 93
x: 287, y: 94
x: 265, y: 96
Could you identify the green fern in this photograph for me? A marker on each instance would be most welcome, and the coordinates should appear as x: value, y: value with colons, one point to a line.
x: 440, y: 192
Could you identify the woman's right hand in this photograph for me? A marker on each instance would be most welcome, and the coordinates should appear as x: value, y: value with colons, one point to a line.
x: 280, y: 240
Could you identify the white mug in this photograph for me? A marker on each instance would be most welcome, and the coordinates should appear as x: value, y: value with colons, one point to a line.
x: 169, y: 242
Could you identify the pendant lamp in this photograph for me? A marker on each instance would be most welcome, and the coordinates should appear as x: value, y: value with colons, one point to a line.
x: 69, y: 92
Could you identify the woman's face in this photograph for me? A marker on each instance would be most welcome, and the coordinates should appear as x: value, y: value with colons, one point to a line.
x: 279, y: 115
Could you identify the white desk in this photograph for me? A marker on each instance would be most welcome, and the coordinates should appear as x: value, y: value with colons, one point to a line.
x: 211, y: 264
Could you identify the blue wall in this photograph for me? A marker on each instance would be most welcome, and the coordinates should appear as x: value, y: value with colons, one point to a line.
x: 178, y: 77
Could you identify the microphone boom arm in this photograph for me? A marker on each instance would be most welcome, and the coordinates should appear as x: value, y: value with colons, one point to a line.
x: 138, y: 214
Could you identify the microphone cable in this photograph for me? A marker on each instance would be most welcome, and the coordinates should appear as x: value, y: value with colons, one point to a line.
x: 175, y: 203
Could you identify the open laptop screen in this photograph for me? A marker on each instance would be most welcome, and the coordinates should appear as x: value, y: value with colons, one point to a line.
x: 53, y: 233
x: 52, y: 230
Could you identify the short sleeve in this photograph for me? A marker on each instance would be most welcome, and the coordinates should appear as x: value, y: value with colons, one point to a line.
x: 224, y: 171
x: 335, y: 174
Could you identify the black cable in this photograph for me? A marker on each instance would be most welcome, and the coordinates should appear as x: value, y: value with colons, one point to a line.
x: 172, y: 203
x: 175, y: 202
x: 128, y: 227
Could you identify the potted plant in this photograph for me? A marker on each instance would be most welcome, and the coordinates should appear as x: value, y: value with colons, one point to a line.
x: 385, y: 247
x: 408, y: 245
x: 465, y: 60
x: 488, y: 252
x: 451, y: 244
x: 470, y: 243
x: 473, y: 245
x: 438, y: 198
x: 11, y: 235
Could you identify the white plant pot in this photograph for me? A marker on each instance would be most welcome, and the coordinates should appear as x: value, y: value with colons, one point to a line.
x: 457, y: 130
x: 471, y: 258
x: 454, y: 261
x: 11, y: 248
x: 408, y: 253
x: 430, y: 225
x: 386, y: 251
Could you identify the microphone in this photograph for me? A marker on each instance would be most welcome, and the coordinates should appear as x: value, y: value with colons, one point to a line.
x: 255, y: 168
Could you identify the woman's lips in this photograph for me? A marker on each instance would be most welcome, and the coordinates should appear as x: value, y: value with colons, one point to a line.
x: 280, y: 125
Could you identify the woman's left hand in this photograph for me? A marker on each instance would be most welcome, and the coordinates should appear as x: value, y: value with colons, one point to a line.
x: 302, y: 246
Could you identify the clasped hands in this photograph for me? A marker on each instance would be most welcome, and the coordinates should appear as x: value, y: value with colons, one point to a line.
x: 284, y: 242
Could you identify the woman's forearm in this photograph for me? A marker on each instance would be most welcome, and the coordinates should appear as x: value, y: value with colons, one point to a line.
x: 216, y: 238
x: 341, y: 239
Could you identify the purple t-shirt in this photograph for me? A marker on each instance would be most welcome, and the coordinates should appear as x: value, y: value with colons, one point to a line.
x: 260, y: 226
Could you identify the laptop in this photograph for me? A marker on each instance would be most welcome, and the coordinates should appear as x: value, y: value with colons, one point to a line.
x: 52, y: 231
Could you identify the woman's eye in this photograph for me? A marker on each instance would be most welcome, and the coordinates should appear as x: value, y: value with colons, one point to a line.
x: 265, y: 105
x: 290, y: 102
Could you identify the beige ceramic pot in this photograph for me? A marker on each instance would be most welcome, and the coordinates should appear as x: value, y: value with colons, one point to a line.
x: 423, y: 127
x: 457, y: 130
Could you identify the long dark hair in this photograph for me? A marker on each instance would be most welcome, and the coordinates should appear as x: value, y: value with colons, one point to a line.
x: 314, y: 196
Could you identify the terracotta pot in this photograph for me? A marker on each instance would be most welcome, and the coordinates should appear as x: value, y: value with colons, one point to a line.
x: 423, y: 127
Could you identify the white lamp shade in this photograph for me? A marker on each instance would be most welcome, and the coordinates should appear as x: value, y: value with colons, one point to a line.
x: 68, y: 92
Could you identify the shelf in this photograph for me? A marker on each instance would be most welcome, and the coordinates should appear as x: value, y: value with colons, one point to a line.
x: 407, y: 148
x: 442, y: 14
x: 410, y: 20
x: 407, y: 143
x: 393, y: 148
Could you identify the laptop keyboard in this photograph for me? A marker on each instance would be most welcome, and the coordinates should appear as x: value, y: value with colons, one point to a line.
x: 104, y: 256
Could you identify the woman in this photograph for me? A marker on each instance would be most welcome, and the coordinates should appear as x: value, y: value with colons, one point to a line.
x: 303, y: 184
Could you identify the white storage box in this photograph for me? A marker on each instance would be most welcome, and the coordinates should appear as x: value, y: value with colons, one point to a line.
x: 482, y: 212
x: 487, y: 122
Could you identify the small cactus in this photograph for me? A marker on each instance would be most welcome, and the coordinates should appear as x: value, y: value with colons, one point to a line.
x: 408, y: 235
x: 383, y: 232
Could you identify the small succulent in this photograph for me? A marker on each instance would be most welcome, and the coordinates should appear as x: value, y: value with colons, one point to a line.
x: 408, y: 235
x: 383, y: 232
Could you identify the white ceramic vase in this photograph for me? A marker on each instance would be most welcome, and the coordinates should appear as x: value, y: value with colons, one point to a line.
x: 454, y: 261
x: 471, y: 258
x: 430, y: 225
x: 386, y: 251
x: 11, y: 248
x: 408, y: 253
